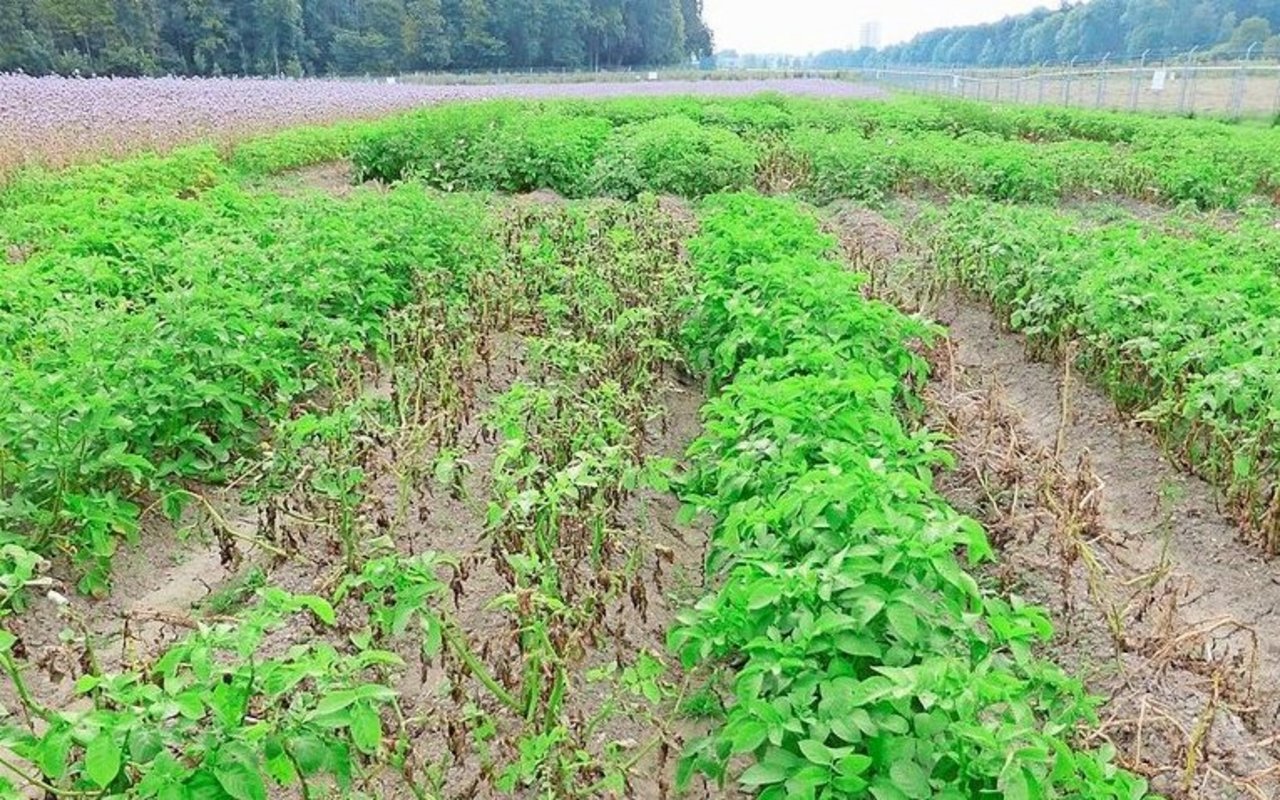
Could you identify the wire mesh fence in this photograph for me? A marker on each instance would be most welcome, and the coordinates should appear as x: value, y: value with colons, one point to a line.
x: 1233, y: 90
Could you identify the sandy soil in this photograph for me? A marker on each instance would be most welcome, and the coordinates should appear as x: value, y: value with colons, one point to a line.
x: 335, y: 178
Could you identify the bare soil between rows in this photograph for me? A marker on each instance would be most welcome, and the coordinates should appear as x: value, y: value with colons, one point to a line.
x: 1159, y: 606
x: 335, y: 178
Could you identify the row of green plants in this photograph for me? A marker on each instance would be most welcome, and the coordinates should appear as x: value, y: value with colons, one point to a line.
x: 694, y: 146
x: 822, y: 149
x: 1172, y: 160
x: 1180, y: 326
x: 850, y: 165
x: 514, y: 147
x: 855, y: 655
x: 158, y: 314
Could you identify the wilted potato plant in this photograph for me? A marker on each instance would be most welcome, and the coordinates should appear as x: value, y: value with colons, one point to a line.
x: 451, y: 412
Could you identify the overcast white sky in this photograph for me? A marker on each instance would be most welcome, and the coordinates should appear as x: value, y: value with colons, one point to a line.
x: 803, y: 26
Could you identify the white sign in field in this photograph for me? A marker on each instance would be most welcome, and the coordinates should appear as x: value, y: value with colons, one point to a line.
x: 1157, y: 80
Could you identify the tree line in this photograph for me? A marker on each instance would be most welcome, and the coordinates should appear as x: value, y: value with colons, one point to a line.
x: 343, y: 37
x: 1121, y: 29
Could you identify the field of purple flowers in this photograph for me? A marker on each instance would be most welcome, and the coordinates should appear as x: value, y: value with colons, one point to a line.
x: 56, y: 121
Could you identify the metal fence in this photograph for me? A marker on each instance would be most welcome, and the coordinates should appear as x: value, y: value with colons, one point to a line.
x: 1233, y: 90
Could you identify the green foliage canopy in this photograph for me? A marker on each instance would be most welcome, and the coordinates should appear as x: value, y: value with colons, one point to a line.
x: 325, y: 37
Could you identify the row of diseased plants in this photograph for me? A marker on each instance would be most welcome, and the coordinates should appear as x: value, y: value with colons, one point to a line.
x: 854, y: 655
x: 824, y: 149
x: 599, y: 298
x: 1181, y: 327
x: 317, y: 692
x: 155, y: 315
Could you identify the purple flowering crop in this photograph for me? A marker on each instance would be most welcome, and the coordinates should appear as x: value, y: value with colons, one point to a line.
x: 56, y: 121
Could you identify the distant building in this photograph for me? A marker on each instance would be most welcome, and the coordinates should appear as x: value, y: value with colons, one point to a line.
x: 870, y: 35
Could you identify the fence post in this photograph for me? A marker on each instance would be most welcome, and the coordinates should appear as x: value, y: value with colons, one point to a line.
x: 1040, y: 93
x: 1186, y: 81
x: 1237, y: 92
x: 1137, y: 80
x: 1102, y: 80
x: 1276, y: 108
x: 1241, y: 77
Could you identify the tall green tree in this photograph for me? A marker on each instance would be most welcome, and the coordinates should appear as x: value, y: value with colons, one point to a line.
x: 563, y: 40
x: 1090, y: 30
x: 1251, y: 32
x: 1146, y: 24
x: 698, y: 40
x: 198, y: 33
x: 522, y: 26
x: 472, y: 32
x: 320, y: 37
x: 133, y: 42
x: 24, y: 43
x: 425, y: 36
x: 660, y: 29
x: 606, y: 33
x: 79, y: 26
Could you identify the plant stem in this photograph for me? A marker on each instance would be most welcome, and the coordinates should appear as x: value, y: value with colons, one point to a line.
x: 481, y: 672
x: 39, y: 784
x: 29, y: 703
x: 303, y: 788
x: 221, y: 520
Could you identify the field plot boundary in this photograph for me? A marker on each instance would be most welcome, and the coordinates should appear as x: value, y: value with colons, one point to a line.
x: 446, y: 412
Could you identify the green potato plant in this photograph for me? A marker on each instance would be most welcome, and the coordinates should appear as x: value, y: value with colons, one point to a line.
x: 1180, y: 328
x: 861, y: 658
x: 218, y: 715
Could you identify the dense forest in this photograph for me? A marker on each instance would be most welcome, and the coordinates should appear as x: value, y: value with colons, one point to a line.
x: 327, y: 37
x: 1120, y: 29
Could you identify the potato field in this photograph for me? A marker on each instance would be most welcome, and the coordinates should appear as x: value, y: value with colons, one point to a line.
x: 763, y: 446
